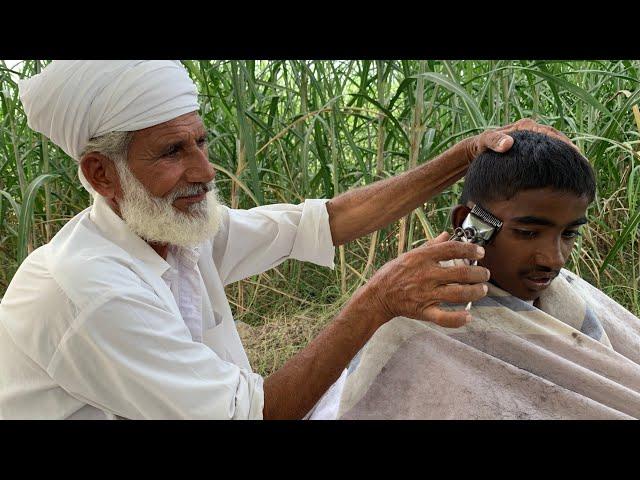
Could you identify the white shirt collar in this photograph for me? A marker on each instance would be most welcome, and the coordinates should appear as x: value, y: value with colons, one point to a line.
x: 188, y: 255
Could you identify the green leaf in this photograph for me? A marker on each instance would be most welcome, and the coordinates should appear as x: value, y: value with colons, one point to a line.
x: 26, y: 214
x: 472, y: 107
x: 628, y: 231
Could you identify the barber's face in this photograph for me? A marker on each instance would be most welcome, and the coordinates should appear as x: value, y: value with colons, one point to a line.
x: 539, y: 229
x: 172, y: 156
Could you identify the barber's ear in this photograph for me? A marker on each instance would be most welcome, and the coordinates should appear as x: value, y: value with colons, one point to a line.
x: 458, y: 214
x: 101, y: 173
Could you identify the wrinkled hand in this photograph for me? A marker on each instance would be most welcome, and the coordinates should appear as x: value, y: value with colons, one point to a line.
x: 498, y: 140
x: 414, y: 284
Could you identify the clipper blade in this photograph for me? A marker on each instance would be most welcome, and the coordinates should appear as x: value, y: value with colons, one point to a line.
x: 487, y: 217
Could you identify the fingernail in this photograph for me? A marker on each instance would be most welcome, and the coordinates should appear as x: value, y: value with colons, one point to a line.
x: 502, y: 142
x: 468, y: 318
x: 485, y: 288
x: 480, y: 251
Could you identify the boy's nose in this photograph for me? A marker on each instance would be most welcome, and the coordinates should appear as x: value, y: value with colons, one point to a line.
x: 551, y: 256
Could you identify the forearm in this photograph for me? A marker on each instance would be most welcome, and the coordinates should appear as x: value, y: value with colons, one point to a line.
x: 412, y: 285
x: 294, y: 389
x: 359, y: 212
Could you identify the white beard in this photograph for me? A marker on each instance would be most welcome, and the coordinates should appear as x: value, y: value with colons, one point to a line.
x: 155, y: 219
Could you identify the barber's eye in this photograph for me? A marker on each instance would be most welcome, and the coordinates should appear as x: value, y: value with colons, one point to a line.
x: 202, y: 141
x: 525, y: 233
x: 172, y: 151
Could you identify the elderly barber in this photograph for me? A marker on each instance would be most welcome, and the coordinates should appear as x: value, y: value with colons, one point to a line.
x: 123, y: 314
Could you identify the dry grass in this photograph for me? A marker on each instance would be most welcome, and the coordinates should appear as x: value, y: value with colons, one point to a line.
x: 270, y: 344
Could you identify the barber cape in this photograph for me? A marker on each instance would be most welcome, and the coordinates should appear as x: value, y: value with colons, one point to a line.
x: 575, y: 357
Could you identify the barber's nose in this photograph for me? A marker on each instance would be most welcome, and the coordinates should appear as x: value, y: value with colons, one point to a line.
x: 551, y: 255
x: 199, y: 169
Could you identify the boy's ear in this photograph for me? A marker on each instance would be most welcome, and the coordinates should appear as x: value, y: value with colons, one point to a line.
x: 458, y: 214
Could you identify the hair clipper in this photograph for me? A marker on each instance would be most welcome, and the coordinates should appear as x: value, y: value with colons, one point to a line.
x: 479, y: 227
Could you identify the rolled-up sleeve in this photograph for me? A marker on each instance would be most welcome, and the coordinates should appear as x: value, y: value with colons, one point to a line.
x: 252, y: 241
x: 129, y: 355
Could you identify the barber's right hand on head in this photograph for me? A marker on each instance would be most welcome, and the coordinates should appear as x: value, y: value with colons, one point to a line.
x: 414, y: 284
x: 499, y: 139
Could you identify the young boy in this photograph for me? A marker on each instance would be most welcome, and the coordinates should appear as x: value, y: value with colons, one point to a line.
x: 543, y: 344
x: 540, y: 192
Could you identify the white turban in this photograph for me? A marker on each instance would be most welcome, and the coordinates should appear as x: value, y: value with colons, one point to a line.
x: 72, y: 101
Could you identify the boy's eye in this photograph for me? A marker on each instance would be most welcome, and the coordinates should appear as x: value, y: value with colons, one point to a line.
x: 571, y: 234
x: 525, y: 233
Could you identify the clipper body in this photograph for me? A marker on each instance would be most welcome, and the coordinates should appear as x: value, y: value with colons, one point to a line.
x: 479, y: 227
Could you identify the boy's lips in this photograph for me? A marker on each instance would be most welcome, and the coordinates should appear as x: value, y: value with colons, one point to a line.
x: 538, y: 282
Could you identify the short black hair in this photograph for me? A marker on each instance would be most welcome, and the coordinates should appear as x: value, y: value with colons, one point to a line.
x: 534, y: 161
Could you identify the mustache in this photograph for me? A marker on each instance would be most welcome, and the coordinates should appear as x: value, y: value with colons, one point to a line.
x: 190, y: 190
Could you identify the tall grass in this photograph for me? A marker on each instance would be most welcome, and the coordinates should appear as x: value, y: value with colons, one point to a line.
x: 282, y: 131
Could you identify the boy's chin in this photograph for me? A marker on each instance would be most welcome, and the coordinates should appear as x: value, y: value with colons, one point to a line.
x: 521, y: 291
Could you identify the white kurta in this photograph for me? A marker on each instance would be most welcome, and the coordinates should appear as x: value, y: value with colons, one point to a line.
x: 90, y: 328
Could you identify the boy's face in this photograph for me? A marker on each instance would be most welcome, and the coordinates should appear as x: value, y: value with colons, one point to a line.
x: 538, y: 232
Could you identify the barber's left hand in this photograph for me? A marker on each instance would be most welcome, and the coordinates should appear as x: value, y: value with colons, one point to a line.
x: 499, y: 140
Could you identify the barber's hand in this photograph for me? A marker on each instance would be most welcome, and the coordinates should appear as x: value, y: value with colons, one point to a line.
x: 414, y: 284
x: 499, y: 140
